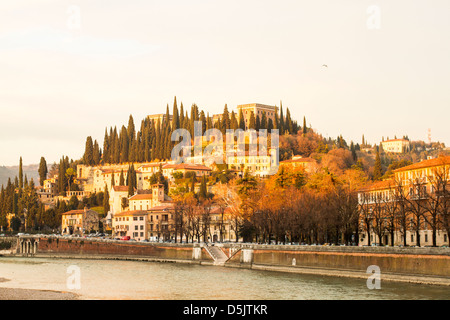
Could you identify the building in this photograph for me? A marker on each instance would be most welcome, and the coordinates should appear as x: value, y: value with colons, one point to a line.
x: 396, y: 145
x: 130, y: 223
x: 184, y: 168
x: 297, y: 162
x: 155, y: 118
x: 261, y: 165
x: 147, y: 200
x: 161, y: 222
x: 116, y: 196
x: 258, y: 110
x: 79, y: 222
x: 411, y: 208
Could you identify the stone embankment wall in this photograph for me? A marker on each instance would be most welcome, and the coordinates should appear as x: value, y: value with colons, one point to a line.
x: 417, y: 261
x: 123, y: 248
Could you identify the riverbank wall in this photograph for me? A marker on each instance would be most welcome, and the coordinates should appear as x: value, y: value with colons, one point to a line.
x: 420, y: 265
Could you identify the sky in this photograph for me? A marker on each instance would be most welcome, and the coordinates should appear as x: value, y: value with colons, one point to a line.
x: 70, y: 69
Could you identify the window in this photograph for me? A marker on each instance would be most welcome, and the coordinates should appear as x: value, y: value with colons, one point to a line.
x: 426, y: 237
x: 135, y: 218
x: 142, y: 227
x: 141, y: 218
x: 136, y: 227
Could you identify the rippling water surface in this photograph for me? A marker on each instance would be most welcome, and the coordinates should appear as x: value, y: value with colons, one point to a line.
x: 111, y: 279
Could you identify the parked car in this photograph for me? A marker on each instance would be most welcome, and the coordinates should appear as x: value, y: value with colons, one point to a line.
x: 125, y: 238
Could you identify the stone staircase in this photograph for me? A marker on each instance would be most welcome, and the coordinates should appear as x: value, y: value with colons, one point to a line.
x: 217, y: 254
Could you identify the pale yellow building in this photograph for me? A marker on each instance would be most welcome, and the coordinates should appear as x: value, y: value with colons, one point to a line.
x: 130, y: 223
x: 79, y: 222
x: 416, y: 194
x: 395, y: 145
x: 258, y: 110
x: 297, y: 162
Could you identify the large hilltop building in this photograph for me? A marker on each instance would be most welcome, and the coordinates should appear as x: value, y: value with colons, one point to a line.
x: 258, y: 110
x: 396, y: 145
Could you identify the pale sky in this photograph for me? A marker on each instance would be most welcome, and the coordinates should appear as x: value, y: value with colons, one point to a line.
x: 69, y: 69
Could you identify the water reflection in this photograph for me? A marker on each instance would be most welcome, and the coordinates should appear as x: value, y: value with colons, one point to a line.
x: 111, y: 279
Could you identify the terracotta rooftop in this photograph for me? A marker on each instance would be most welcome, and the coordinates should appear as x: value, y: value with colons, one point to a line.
x: 393, y: 140
x: 186, y: 166
x: 77, y: 212
x: 380, y: 185
x: 131, y: 213
x: 163, y: 207
x: 120, y: 188
x: 142, y: 196
x: 426, y: 164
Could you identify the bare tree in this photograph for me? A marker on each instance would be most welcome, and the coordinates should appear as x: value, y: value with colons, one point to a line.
x: 437, y: 198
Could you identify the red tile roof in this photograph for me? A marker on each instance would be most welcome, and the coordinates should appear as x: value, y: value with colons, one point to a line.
x: 120, y: 188
x: 81, y: 211
x: 443, y: 160
x: 131, y: 213
x: 143, y: 196
x: 379, y: 185
x: 186, y: 166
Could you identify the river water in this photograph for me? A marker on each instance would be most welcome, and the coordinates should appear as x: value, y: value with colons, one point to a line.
x: 113, y: 279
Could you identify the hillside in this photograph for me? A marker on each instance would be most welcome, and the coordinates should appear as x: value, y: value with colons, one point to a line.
x: 31, y: 171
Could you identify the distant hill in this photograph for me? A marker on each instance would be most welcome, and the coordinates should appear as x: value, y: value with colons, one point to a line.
x: 11, y: 172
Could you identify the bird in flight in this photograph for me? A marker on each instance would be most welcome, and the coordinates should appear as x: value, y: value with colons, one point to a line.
x: 324, y: 65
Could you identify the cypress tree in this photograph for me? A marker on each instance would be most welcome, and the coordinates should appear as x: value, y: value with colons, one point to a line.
x: 275, y: 123
x: 96, y: 153
x: 305, y: 130
x: 264, y: 123
x: 121, y: 179
x: 209, y: 124
x: 89, y: 152
x: 124, y: 145
x: 182, y: 116
x: 270, y: 125
x: 233, y: 121
x: 377, y: 170
x: 225, y: 120
x: 43, y: 170
x: 241, y: 120
x: 353, y: 150
x: 281, y: 120
x: 203, y: 121
x: 131, y: 134
x: 20, y: 174
x: 252, y: 121
x: 106, y: 148
x: 175, y: 119
x: 113, y: 182
x: 106, y: 200
x: 203, y: 192
x: 289, y: 124
x: 257, y: 122
x: 116, y: 148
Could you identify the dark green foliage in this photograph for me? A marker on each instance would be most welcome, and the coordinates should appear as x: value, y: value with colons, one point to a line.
x: 43, y: 170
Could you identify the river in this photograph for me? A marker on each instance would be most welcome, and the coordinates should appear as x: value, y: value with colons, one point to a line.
x: 114, y: 279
